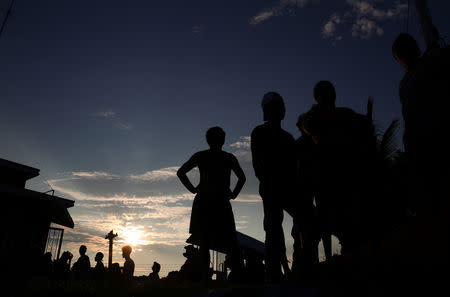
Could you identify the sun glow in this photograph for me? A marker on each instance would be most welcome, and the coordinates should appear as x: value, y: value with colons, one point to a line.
x: 133, y: 236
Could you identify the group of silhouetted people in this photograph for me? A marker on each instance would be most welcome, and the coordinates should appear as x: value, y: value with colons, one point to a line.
x: 332, y: 180
x: 81, y: 270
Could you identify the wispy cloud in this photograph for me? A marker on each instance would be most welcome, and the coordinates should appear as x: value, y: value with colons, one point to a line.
x: 105, y: 114
x: 197, y: 29
x: 243, y: 143
x: 241, y: 149
x: 283, y: 7
x: 157, y: 175
x: 94, y: 175
x: 365, y: 18
x: 115, y: 120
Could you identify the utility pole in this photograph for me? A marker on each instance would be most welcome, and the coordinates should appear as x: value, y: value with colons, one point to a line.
x: 110, y: 236
x: 5, y: 20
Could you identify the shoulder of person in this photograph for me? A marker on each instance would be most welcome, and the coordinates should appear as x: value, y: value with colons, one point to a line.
x: 259, y: 129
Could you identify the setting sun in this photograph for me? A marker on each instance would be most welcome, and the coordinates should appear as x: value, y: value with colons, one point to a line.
x: 133, y: 236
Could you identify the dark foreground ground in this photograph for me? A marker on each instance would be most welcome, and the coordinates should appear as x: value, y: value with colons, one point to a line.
x: 338, y: 277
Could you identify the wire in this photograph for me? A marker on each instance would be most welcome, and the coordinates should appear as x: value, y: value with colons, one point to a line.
x: 407, y: 18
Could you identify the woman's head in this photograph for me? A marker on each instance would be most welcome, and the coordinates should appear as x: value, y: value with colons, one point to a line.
x: 215, y: 137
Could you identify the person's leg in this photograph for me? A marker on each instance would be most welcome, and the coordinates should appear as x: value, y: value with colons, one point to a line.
x: 204, y: 257
x: 275, y: 246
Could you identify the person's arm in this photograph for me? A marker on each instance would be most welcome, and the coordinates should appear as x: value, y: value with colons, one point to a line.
x: 255, y: 147
x: 240, y: 175
x: 429, y: 32
x: 184, y: 169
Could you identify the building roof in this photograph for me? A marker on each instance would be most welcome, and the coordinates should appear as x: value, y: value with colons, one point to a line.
x: 247, y: 243
x: 55, y: 207
x: 24, y: 171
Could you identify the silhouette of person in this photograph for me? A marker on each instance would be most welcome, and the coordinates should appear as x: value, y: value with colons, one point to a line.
x: 154, y: 275
x: 82, y: 266
x: 345, y: 154
x: 47, y: 265
x: 273, y: 157
x: 114, y: 274
x: 99, y: 269
x: 212, y: 219
x: 128, y: 265
x: 424, y: 94
x: 62, y: 266
x: 192, y: 269
x: 303, y: 219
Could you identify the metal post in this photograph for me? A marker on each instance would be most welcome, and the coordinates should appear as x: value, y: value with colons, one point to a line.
x: 110, y: 236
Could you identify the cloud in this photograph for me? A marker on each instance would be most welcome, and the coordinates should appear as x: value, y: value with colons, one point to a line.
x: 243, y: 143
x: 365, y: 18
x: 330, y: 27
x: 115, y: 121
x: 157, y: 175
x: 94, y: 175
x: 284, y: 7
x: 197, y: 29
x: 241, y: 149
x: 105, y: 114
x: 122, y: 126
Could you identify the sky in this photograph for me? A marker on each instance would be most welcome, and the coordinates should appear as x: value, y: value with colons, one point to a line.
x: 109, y: 98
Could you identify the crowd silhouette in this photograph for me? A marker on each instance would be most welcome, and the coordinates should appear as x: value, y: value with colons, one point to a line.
x: 338, y: 178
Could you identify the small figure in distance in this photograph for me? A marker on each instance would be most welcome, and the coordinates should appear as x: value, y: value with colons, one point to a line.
x: 47, y: 264
x: 154, y: 275
x: 192, y: 269
x: 273, y: 156
x: 82, y: 266
x: 99, y: 269
x: 128, y: 266
x: 212, y: 221
x: 62, y: 266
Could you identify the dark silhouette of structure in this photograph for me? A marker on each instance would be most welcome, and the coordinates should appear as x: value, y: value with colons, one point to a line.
x: 110, y: 236
x: 128, y: 266
x: 37, y: 212
x: 273, y: 156
x: 154, y: 275
x: 215, y: 230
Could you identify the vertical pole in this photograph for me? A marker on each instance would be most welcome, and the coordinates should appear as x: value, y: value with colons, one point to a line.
x: 60, y: 243
x: 110, y: 236
x: 8, y: 13
x: 110, y: 252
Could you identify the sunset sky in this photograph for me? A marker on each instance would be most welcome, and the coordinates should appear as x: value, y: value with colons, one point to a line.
x: 109, y: 98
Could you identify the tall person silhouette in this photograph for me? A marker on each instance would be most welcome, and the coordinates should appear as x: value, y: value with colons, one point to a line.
x: 273, y: 156
x: 212, y: 220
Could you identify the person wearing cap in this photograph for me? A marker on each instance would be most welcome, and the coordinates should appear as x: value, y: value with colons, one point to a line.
x: 273, y: 157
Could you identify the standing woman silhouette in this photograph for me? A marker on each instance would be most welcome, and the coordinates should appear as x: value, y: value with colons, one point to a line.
x: 212, y: 220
